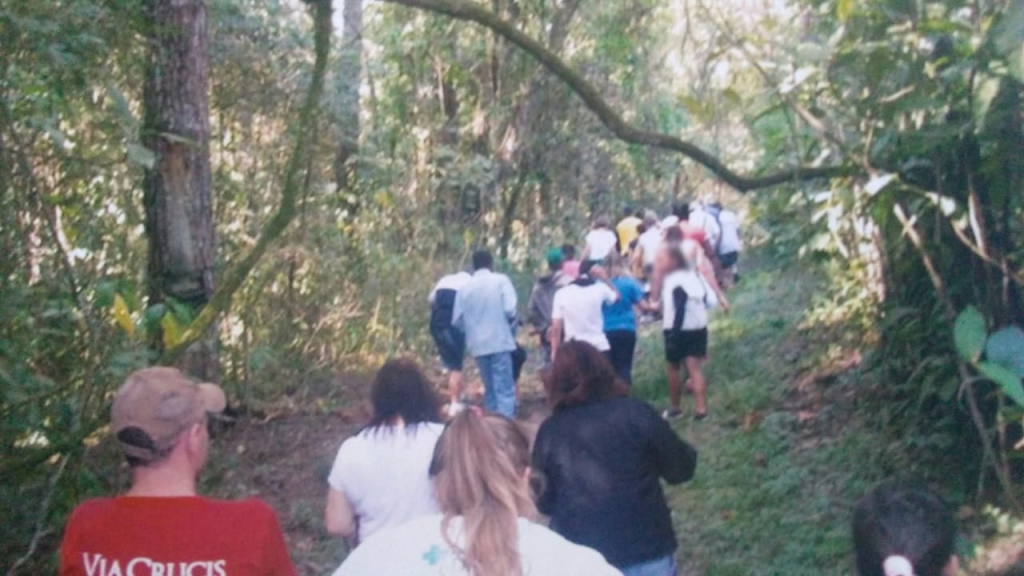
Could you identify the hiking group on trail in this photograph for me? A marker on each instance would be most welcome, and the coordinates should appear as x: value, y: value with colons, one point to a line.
x: 414, y: 496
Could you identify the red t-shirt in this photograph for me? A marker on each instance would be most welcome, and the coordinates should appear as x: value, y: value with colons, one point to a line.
x: 180, y: 536
x: 693, y: 232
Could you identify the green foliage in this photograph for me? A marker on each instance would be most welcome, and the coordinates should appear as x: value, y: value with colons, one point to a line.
x: 969, y: 333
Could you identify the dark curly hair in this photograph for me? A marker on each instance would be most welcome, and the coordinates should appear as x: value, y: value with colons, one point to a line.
x: 581, y: 375
x: 401, y: 389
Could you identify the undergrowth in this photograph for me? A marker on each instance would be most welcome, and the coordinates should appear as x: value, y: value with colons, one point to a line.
x: 785, y: 453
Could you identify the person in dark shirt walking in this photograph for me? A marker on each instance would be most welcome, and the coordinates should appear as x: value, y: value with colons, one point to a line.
x: 603, y: 454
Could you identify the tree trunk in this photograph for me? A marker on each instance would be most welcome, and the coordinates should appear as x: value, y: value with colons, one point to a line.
x: 347, y: 85
x: 178, y: 203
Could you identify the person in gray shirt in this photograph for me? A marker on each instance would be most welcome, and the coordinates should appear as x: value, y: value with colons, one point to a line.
x: 484, y: 308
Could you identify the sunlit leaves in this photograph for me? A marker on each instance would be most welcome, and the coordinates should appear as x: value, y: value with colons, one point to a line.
x: 844, y: 9
x: 171, y: 330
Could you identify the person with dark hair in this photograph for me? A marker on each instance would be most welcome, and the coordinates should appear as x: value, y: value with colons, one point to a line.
x: 686, y: 298
x: 576, y: 310
x: 901, y: 530
x: 599, y: 242
x: 602, y: 456
x: 450, y: 341
x: 485, y: 309
x: 542, y: 299
x: 159, y: 418
x: 379, y: 477
x: 570, y: 265
x: 487, y: 525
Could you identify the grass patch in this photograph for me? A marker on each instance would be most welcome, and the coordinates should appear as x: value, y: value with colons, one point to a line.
x: 778, y: 473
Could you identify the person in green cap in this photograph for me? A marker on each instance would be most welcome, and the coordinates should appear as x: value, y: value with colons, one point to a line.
x: 542, y: 298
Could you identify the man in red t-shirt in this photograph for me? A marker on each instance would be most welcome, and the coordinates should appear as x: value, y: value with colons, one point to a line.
x: 161, y: 527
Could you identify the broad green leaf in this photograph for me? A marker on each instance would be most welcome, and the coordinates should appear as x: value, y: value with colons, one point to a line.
x: 123, y: 316
x: 151, y: 317
x: 1007, y: 380
x: 141, y: 155
x: 171, y: 329
x: 969, y: 334
x: 1006, y: 348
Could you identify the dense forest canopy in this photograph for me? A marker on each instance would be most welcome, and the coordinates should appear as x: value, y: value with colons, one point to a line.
x: 278, y: 208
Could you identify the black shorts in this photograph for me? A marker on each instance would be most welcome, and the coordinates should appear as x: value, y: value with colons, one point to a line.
x: 728, y: 259
x: 451, y: 345
x: 685, y: 344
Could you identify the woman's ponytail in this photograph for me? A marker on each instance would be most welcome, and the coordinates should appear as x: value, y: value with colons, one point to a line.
x: 479, y: 472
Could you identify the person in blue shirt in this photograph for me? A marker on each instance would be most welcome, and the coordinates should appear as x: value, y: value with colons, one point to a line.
x: 620, y: 319
x: 484, y: 310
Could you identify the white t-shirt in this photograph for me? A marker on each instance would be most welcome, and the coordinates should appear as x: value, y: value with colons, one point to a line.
x: 450, y: 282
x: 579, y: 308
x: 650, y: 241
x: 601, y: 242
x: 384, y: 474
x: 706, y: 221
x: 419, y: 549
x: 730, y: 241
x: 699, y: 299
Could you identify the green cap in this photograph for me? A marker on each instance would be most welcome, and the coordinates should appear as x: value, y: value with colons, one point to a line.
x: 554, y: 256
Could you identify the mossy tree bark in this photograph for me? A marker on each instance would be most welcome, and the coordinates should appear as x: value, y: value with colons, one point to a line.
x: 178, y: 201
x: 292, y: 185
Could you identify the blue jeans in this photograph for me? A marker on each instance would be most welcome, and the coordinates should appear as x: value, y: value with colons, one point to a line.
x: 499, y: 385
x: 664, y: 566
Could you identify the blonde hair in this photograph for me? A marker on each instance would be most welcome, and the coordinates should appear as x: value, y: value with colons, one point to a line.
x: 479, y: 470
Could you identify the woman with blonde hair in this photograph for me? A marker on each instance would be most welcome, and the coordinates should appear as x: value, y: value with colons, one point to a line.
x: 481, y: 475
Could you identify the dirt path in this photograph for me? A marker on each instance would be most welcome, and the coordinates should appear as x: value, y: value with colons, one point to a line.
x: 284, y: 456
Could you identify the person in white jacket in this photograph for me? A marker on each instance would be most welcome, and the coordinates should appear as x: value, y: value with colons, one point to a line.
x: 686, y: 297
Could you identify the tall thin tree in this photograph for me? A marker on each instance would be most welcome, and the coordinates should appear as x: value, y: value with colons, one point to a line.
x: 350, y: 68
x: 178, y: 202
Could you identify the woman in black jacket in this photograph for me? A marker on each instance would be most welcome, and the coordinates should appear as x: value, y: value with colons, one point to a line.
x: 602, y: 454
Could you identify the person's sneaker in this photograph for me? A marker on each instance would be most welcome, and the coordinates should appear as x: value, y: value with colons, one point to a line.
x: 698, y: 417
x: 455, y: 408
x: 672, y: 414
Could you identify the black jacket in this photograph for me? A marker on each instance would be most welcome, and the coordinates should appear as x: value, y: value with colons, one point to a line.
x: 602, y: 462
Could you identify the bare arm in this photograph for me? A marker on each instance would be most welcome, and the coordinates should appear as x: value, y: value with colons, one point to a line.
x: 708, y: 272
x: 339, y: 517
x: 555, y: 337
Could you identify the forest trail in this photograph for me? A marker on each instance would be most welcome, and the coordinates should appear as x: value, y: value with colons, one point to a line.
x: 775, y: 477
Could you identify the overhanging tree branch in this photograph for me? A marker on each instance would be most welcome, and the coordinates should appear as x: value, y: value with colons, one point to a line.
x: 237, y: 274
x: 465, y: 10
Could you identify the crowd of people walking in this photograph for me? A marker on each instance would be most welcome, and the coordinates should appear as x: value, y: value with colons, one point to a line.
x: 415, y: 496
